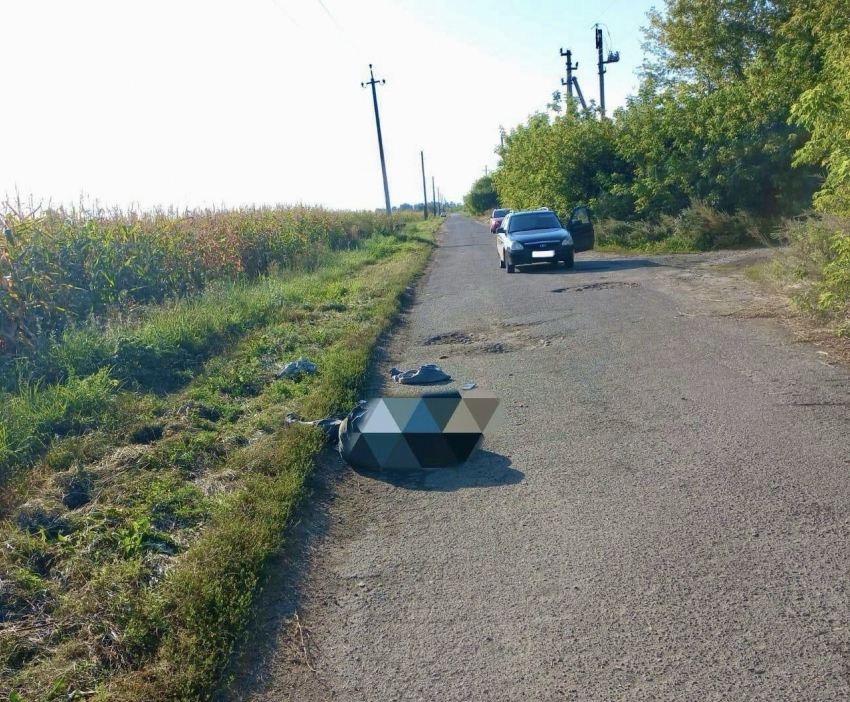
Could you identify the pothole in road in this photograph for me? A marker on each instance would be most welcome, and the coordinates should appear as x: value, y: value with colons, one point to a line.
x: 499, y: 338
x: 479, y: 348
x: 450, y: 338
x: 597, y: 286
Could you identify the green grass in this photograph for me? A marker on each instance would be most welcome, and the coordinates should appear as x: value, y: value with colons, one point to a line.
x: 159, y: 352
x: 142, y: 592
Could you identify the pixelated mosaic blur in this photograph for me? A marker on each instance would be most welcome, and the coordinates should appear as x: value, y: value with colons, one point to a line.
x: 437, y: 430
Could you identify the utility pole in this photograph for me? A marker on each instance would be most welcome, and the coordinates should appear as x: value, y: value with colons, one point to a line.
x: 613, y: 57
x: 580, y: 96
x: 570, y: 68
x: 424, y: 186
x: 485, y: 171
x: 434, y: 195
x: 373, y: 83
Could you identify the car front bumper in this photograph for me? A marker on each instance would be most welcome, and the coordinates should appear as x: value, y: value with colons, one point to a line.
x: 524, y: 257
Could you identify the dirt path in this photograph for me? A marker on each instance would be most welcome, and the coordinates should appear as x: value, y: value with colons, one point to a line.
x: 665, y: 515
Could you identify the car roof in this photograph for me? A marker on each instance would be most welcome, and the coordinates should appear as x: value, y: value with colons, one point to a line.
x: 538, y: 210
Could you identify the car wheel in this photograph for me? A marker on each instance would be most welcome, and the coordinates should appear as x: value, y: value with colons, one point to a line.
x: 569, y: 261
x: 511, y: 267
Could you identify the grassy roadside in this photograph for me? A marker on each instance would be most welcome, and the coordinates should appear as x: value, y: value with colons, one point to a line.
x: 813, y: 270
x: 696, y: 228
x: 140, y: 591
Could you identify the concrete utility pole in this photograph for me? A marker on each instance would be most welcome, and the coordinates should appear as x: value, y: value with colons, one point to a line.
x: 424, y: 186
x: 571, y: 81
x: 580, y: 96
x: 434, y: 195
x: 613, y: 57
x: 373, y: 83
x: 570, y: 68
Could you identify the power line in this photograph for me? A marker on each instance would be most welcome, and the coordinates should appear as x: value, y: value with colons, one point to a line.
x: 606, y: 10
x: 349, y: 38
x: 328, y: 12
x: 284, y: 12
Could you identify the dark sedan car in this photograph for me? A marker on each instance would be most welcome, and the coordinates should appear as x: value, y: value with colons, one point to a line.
x: 496, y: 219
x: 537, y: 236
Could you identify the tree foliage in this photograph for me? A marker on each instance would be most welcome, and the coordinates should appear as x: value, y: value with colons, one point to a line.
x: 744, y: 106
x: 482, y: 197
x: 824, y: 107
x: 562, y: 161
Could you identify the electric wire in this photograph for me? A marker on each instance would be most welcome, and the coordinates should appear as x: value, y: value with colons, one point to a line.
x: 284, y: 12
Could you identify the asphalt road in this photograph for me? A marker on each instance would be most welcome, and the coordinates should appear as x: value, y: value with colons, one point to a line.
x: 664, y: 515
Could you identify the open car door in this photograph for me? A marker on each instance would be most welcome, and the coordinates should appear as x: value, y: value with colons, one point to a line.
x: 580, y: 228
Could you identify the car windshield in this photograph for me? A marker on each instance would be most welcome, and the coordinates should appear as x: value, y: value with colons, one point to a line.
x: 534, y: 220
x: 499, y: 213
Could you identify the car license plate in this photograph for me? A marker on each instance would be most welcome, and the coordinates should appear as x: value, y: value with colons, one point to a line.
x: 542, y: 254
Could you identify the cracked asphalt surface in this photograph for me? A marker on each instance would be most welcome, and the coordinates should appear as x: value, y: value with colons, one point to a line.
x: 664, y: 515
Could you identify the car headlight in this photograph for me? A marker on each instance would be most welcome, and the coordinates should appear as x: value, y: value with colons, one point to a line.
x: 568, y: 241
x: 516, y: 246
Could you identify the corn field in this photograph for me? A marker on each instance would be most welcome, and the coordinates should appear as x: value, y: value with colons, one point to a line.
x: 61, y: 266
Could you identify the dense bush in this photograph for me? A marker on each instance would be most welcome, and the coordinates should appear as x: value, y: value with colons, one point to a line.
x: 818, y: 264
x: 696, y: 228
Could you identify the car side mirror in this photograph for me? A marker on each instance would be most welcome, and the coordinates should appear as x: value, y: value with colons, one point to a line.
x: 500, y: 230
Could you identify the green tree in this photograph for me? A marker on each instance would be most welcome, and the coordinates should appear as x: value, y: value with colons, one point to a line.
x: 561, y: 162
x: 824, y: 108
x: 482, y: 196
x: 710, y: 42
x: 712, y: 119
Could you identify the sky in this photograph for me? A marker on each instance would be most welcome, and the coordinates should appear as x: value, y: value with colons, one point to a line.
x: 198, y: 103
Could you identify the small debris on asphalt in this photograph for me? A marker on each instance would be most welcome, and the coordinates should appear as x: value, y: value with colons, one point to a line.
x: 426, y: 373
x: 468, y: 386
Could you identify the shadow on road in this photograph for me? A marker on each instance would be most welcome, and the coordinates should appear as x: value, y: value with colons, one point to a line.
x: 484, y: 469
x: 593, y: 266
x: 272, y: 635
